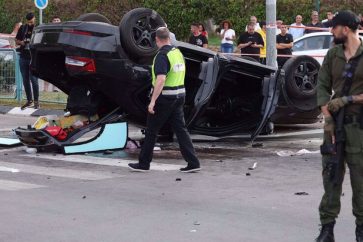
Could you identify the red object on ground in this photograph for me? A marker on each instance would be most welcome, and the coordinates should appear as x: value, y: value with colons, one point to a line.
x: 56, y: 132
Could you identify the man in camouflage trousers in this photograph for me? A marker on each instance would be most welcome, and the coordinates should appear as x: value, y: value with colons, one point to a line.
x: 337, y: 63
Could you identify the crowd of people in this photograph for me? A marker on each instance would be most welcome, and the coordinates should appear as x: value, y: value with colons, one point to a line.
x: 252, y: 41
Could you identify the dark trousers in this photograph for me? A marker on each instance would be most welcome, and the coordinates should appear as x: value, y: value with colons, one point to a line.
x: 28, y: 79
x: 281, y: 61
x: 169, y: 110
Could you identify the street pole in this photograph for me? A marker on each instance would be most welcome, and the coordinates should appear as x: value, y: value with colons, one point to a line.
x: 40, y: 16
x: 271, y: 52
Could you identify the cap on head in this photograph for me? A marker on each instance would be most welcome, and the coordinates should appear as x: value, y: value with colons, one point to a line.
x: 29, y: 16
x: 346, y: 18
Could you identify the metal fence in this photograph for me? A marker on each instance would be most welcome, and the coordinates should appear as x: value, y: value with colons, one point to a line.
x: 10, y: 77
x: 11, y: 83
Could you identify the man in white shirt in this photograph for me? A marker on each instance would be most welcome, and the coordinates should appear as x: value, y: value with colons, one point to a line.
x: 297, y: 32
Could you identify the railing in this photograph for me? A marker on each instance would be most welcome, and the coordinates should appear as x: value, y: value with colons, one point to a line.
x: 11, y: 83
x: 10, y: 77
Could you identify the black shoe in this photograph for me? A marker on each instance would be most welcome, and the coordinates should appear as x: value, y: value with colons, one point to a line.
x: 189, y: 169
x: 36, y: 105
x: 359, y: 233
x: 136, y: 167
x: 27, y: 105
x: 326, y: 233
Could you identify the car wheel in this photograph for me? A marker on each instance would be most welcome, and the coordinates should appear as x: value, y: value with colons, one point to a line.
x: 93, y: 17
x: 301, y: 75
x: 137, y: 31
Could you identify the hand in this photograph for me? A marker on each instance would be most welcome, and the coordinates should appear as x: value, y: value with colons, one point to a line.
x: 150, y: 108
x: 329, y: 128
x: 337, y: 103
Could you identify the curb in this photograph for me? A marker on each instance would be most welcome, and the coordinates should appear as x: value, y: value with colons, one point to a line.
x: 30, y: 112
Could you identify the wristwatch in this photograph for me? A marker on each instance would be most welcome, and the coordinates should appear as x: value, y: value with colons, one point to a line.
x: 350, y: 99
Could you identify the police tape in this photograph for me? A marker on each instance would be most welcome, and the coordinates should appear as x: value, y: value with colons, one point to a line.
x: 258, y: 55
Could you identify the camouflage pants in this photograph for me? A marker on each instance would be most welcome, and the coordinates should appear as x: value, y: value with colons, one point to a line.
x: 330, y: 204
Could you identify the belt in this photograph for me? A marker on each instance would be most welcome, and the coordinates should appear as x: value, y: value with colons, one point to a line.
x: 175, y: 92
x: 349, y: 119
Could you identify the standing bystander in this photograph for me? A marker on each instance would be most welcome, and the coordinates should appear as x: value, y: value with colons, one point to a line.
x: 228, y: 35
x: 314, y: 23
x: 196, y: 37
x: 284, y: 43
x: 251, y: 42
x: 297, y: 29
x: 30, y: 82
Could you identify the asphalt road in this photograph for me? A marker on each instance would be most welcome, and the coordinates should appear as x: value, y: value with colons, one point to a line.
x: 94, y: 197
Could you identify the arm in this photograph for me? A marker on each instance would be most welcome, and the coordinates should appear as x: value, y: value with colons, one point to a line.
x: 205, y: 42
x: 284, y: 46
x: 244, y: 45
x: 159, y: 85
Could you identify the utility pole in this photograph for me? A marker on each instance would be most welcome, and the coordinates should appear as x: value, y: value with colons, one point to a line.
x: 271, y: 52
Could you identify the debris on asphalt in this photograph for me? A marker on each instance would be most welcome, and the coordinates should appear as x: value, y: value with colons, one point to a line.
x: 343, y: 194
x: 196, y: 223
x: 285, y: 153
x: 219, y: 160
x: 108, y: 152
x: 178, y: 179
x: 193, y: 230
x: 301, y: 193
x: 31, y: 150
x: 156, y: 148
x: 256, y: 145
x: 132, y: 144
x: 84, y: 197
x: 248, y: 174
x: 253, y: 167
x: 5, y: 153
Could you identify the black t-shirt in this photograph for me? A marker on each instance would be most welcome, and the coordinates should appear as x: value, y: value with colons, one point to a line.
x: 317, y: 25
x: 254, y: 38
x: 162, y: 64
x: 199, y: 40
x: 287, y: 39
x: 25, y: 34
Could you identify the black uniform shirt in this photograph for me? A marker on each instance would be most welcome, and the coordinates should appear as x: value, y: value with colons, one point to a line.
x: 25, y: 34
x: 199, y: 40
x: 287, y: 39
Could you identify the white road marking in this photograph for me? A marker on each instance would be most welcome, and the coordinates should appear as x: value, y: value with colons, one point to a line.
x: 104, y: 161
x: 8, y: 169
x: 59, y: 172
x: 25, y: 112
x: 15, y: 186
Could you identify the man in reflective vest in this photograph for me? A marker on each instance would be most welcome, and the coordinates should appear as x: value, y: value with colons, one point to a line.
x: 166, y: 105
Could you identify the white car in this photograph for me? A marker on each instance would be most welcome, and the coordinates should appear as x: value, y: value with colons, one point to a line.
x: 315, y: 45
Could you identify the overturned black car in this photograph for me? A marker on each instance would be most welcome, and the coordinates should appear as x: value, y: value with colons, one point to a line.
x: 225, y: 94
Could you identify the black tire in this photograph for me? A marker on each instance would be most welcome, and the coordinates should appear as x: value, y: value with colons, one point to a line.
x: 93, y: 17
x: 137, y: 32
x: 301, y: 76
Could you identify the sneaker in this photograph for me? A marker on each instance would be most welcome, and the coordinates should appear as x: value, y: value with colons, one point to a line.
x: 36, y: 105
x: 137, y: 168
x: 27, y: 105
x: 190, y: 169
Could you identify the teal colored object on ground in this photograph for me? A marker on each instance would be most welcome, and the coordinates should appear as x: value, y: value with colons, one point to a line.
x: 9, y: 142
x: 112, y: 136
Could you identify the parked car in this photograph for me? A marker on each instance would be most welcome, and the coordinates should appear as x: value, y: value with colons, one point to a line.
x: 315, y: 44
x: 108, y: 67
